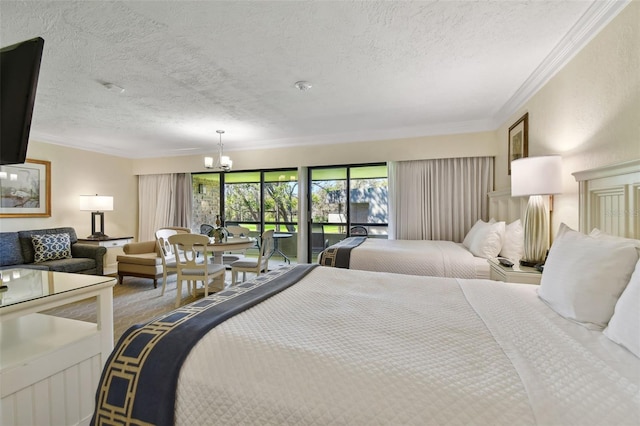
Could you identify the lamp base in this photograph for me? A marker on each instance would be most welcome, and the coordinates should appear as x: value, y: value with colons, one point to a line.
x: 536, y: 230
x: 530, y: 263
x: 98, y: 236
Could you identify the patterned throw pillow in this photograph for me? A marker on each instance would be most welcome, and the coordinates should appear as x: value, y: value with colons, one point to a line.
x: 51, y: 247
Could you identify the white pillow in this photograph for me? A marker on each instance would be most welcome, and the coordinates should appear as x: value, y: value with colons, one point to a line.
x: 513, y: 244
x: 584, y: 277
x: 472, y: 232
x: 487, y: 240
x: 596, y: 233
x: 562, y: 229
x: 624, y: 327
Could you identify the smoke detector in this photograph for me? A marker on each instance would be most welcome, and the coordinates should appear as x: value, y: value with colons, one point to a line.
x: 302, y: 85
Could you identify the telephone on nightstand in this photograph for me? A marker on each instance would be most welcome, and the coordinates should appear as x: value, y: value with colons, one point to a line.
x: 505, y: 262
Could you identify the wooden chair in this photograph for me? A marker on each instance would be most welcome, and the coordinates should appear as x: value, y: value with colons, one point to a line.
x: 238, y: 231
x: 261, y: 264
x: 167, y: 254
x: 190, y: 248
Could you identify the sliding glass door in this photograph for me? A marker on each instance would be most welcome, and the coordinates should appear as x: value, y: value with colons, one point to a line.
x: 343, y: 197
x: 258, y: 200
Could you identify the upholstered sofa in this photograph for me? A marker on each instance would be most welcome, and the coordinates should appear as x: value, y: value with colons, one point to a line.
x: 53, y: 249
x: 142, y: 259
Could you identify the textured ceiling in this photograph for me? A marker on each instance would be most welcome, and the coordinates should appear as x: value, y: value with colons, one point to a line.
x: 379, y: 69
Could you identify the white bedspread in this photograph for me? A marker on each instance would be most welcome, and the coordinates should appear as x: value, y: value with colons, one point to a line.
x: 415, y: 257
x: 361, y: 348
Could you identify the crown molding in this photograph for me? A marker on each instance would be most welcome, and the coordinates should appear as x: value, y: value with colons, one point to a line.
x: 599, y: 14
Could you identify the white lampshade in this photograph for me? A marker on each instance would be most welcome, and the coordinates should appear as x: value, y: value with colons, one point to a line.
x: 208, y: 162
x: 96, y: 203
x: 536, y: 176
x: 225, y: 162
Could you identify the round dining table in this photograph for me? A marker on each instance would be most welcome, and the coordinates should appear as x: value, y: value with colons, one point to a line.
x: 231, y: 243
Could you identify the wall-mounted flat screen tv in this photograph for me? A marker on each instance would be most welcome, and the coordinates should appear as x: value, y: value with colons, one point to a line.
x: 19, y: 70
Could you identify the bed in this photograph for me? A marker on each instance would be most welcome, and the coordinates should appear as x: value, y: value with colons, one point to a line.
x: 412, y: 257
x: 307, y: 344
x: 468, y: 259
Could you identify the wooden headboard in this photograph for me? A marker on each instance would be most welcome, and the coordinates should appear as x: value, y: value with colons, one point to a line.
x: 502, y: 206
x: 610, y: 199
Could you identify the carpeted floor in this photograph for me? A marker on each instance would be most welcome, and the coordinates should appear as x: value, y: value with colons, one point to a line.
x: 134, y: 302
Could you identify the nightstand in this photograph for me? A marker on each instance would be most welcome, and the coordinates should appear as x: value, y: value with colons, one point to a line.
x: 515, y: 274
x: 114, y: 248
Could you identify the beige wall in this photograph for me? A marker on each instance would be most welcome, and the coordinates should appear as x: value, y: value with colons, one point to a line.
x: 446, y: 146
x: 589, y: 112
x: 75, y: 172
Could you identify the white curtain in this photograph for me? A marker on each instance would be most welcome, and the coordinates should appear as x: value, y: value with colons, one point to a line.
x: 438, y: 199
x: 163, y: 200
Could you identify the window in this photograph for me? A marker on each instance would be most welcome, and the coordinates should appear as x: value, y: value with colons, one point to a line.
x: 258, y: 200
x: 333, y: 212
x: 339, y: 197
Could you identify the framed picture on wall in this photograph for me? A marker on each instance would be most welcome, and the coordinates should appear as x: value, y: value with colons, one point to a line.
x: 25, y: 189
x: 518, y: 140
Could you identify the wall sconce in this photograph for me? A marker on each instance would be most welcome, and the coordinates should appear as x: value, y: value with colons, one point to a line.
x: 536, y: 176
x: 97, y: 205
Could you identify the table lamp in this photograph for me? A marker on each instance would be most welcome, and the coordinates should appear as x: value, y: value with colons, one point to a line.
x: 536, y: 176
x: 97, y: 205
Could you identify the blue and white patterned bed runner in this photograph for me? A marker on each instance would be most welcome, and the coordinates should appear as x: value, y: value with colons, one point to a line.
x: 138, y: 383
x: 339, y: 254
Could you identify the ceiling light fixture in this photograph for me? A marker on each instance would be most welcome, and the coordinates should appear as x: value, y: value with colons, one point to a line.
x: 224, y: 163
x: 302, y: 85
x: 113, y: 87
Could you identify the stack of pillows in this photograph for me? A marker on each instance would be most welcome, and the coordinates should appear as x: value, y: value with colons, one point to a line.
x: 594, y: 280
x: 492, y: 239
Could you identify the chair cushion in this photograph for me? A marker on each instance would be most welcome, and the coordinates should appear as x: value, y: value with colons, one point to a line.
x: 139, y: 270
x: 244, y: 263
x: 72, y: 265
x: 230, y: 258
x: 150, y: 259
x: 51, y: 247
x: 212, y: 268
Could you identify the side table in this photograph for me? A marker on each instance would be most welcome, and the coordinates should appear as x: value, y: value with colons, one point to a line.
x: 49, y: 365
x: 514, y: 274
x: 114, y: 248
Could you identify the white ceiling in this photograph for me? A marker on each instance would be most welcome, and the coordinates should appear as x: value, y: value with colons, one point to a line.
x: 379, y: 69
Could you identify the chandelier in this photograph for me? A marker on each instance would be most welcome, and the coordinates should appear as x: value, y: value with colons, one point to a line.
x: 223, y: 162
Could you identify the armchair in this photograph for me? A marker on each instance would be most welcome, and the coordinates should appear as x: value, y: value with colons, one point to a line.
x: 143, y: 259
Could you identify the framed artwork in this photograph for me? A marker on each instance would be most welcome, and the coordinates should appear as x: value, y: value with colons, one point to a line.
x: 518, y: 140
x: 25, y: 189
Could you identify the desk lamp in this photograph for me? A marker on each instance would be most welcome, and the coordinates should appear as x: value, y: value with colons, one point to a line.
x: 97, y: 205
x: 536, y: 176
